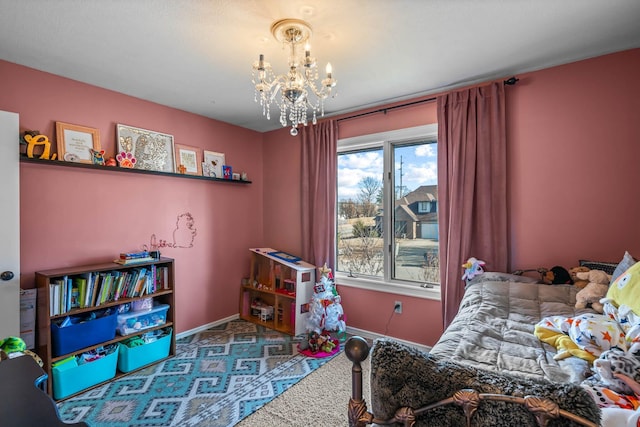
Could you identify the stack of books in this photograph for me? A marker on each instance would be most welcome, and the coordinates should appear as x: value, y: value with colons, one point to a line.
x: 126, y: 258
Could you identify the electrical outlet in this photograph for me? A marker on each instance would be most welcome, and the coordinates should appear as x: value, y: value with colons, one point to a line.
x: 397, y: 307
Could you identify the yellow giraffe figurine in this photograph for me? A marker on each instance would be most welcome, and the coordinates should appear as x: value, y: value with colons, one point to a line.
x: 33, y: 140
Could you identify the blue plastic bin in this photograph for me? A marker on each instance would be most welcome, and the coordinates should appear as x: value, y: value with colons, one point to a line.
x: 70, y: 378
x: 68, y: 339
x: 132, y: 358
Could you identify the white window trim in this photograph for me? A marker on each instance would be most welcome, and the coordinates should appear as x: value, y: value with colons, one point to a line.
x: 376, y: 284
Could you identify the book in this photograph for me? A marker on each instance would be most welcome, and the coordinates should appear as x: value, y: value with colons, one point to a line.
x: 134, y: 255
x: 75, y: 292
x: 140, y: 283
x: 120, y: 285
x: 133, y: 260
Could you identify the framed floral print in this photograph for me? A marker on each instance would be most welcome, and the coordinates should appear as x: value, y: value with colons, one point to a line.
x: 151, y: 150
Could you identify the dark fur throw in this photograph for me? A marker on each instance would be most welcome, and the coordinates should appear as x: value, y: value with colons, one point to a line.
x: 404, y: 376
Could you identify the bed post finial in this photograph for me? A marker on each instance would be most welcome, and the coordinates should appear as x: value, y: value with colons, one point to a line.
x: 357, y: 351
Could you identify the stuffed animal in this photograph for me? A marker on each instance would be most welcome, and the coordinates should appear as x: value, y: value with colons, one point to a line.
x: 605, y: 380
x: 578, y: 283
x: 626, y: 289
x: 557, y: 276
x: 596, y: 289
x: 472, y: 268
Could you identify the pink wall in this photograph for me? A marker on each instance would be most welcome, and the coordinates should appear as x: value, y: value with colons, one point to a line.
x: 574, y: 153
x: 72, y: 216
x: 282, y: 198
x: 572, y: 134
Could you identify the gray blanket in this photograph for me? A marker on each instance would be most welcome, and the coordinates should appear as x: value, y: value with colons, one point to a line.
x: 494, y: 327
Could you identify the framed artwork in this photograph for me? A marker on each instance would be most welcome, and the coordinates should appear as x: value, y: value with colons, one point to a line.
x: 75, y: 143
x: 151, y: 150
x: 212, y: 164
x: 188, y: 159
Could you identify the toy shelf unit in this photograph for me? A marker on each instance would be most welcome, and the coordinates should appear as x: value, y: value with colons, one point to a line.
x: 278, y: 291
x: 89, y: 315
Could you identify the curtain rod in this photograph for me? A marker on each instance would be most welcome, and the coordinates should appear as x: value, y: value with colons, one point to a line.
x: 509, y: 82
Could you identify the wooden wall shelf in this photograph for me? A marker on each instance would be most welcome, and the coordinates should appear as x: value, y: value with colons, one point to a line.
x: 126, y: 170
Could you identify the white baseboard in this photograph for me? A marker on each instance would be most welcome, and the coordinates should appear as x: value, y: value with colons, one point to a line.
x: 207, y: 326
x: 373, y: 335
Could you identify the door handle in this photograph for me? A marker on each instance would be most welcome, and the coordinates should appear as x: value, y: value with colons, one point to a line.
x: 6, y: 275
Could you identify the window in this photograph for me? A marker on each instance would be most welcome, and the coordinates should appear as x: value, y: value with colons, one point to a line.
x: 387, y: 209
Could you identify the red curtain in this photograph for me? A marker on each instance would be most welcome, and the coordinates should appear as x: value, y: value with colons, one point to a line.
x: 472, y: 196
x: 319, y: 177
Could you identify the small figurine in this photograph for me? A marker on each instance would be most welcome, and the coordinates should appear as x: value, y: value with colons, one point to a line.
x: 97, y: 157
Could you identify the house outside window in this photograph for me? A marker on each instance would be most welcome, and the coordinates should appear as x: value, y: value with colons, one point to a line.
x: 387, y: 220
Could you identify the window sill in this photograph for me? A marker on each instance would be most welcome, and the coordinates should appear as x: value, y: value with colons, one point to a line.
x: 388, y: 287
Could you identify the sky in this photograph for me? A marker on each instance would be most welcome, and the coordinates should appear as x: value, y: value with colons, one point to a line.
x: 418, y: 166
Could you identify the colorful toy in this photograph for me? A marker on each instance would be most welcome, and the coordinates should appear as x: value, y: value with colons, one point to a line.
x: 472, y: 268
x: 97, y: 157
x: 12, y: 344
x: 626, y: 289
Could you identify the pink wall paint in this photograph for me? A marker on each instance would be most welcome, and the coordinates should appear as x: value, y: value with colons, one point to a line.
x: 574, y: 153
x: 73, y: 217
x: 282, y: 195
x: 572, y: 135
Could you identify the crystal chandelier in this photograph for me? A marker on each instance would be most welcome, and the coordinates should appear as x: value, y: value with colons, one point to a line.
x: 299, y: 89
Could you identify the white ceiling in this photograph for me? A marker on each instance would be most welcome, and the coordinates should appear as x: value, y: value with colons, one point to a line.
x: 196, y: 55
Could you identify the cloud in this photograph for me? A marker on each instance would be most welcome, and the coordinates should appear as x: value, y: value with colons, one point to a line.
x: 426, y: 150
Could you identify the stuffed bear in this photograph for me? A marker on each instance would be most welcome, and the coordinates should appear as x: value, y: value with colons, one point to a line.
x: 595, y: 290
x: 578, y: 283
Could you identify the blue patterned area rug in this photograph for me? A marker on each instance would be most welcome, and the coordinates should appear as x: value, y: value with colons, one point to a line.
x: 216, y: 378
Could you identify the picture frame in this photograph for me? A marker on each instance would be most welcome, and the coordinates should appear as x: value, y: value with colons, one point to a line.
x: 152, y: 150
x: 188, y: 157
x: 76, y: 142
x: 212, y: 164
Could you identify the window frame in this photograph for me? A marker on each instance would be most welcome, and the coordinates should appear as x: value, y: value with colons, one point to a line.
x: 386, y: 141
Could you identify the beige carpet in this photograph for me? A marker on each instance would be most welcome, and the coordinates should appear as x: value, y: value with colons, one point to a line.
x: 321, y: 398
